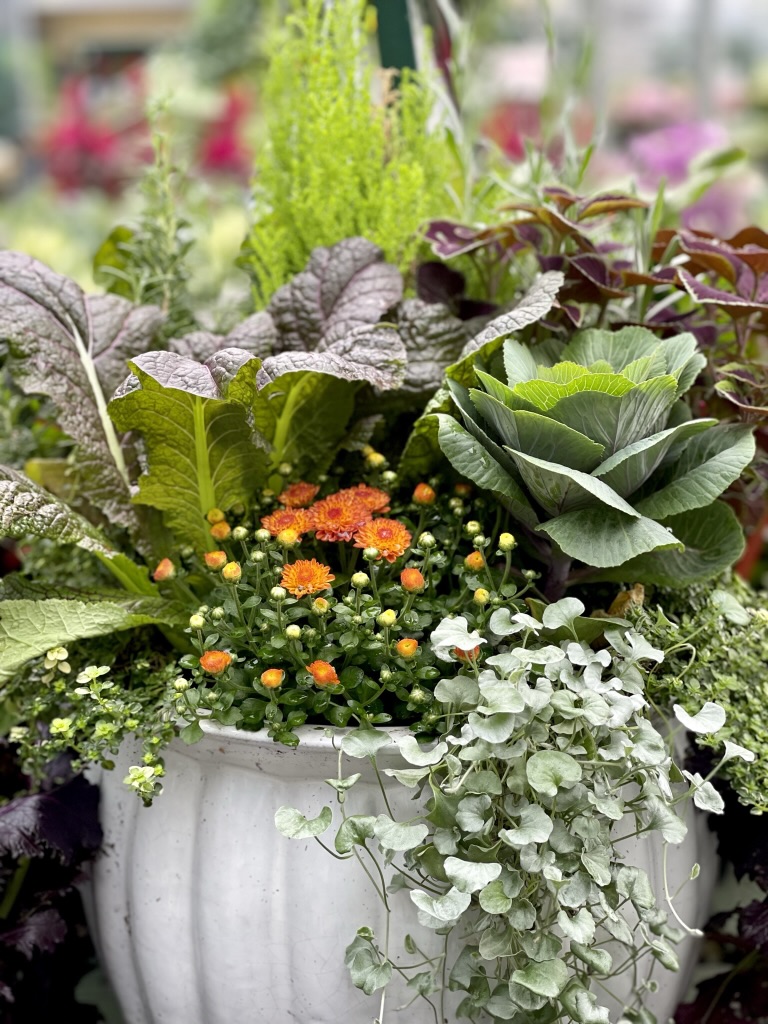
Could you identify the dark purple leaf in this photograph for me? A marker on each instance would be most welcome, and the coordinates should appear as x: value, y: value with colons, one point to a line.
x: 345, y: 287
x: 63, y: 821
x: 753, y: 924
x: 41, y: 932
x: 596, y: 272
x: 435, y: 282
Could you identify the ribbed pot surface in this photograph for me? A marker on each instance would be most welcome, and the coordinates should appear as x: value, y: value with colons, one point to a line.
x: 203, y: 913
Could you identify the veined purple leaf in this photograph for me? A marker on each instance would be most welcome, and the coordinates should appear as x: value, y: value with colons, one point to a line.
x: 345, y: 287
x: 594, y: 270
x: 41, y: 931
x: 535, y: 304
x: 257, y: 334
x: 373, y: 354
x: 73, y: 349
x: 433, y: 340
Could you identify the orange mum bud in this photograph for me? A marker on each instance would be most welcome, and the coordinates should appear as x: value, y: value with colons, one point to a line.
x: 407, y: 648
x: 164, y: 570
x: 232, y: 572
x: 272, y: 678
x: 323, y: 673
x: 463, y: 490
x: 424, y: 495
x: 215, y: 515
x: 215, y: 662
x: 412, y: 580
x: 475, y: 561
x: 215, y: 559
x: 221, y: 530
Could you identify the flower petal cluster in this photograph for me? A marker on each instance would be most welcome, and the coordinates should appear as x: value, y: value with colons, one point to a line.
x: 339, y: 516
x: 306, y: 576
x: 296, y: 519
x: 298, y: 495
x: 388, y: 536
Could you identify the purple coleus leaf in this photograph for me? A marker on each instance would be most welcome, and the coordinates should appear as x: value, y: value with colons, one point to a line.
x: 734, y: 304
x: 41, y: 931
x: 63, y: 821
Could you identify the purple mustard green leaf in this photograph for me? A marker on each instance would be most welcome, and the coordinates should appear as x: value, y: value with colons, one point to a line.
x: 374, y: 354
x: 27, y: 510
x: 344, y: 287
x: 73, y: 349
x: 63, y: 821
x: 433, y: 340
x: 199, y: 444
x: 257, y: 334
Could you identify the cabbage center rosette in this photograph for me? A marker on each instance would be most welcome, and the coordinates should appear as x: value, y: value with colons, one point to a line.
x: 595, y: 450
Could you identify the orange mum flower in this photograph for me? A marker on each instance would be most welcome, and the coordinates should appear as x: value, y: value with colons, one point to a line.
x: 323, y: 673
x: 215, y: 661
x: 298, y: 495
x: 407, y: 648
x: 295, y: 519
x: 371, y: 497
x: 272, y: 678
x: 412, y: 580
x: 338, y: 517
x: 306, y: 576
x: 389, y: 536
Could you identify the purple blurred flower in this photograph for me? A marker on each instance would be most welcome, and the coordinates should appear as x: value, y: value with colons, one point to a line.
x: 667, y: 152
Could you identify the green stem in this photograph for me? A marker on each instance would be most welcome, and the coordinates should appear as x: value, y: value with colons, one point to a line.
x: 14, y: 887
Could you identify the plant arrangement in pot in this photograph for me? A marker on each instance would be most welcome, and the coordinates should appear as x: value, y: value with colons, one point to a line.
x: 453, y: 642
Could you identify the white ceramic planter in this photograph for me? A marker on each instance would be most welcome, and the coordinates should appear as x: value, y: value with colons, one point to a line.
x: 203, y: 913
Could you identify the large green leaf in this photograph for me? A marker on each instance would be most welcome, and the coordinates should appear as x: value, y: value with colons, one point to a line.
x: 462, y: 398
x: 304, y: 416
x: 617, y: 348
x: 545, y: 394
x: 29, y: 628
x: 630, y: 467
x: 469, y: 458
x: 499, y: 390
x: 713, y: 541
x: 559, y: 489
x: 538, y: 435
x: 708, y: 464
x: 618, y: 420
x: 519, y: 363
x: 193, y: 418
x: 604, y: 537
